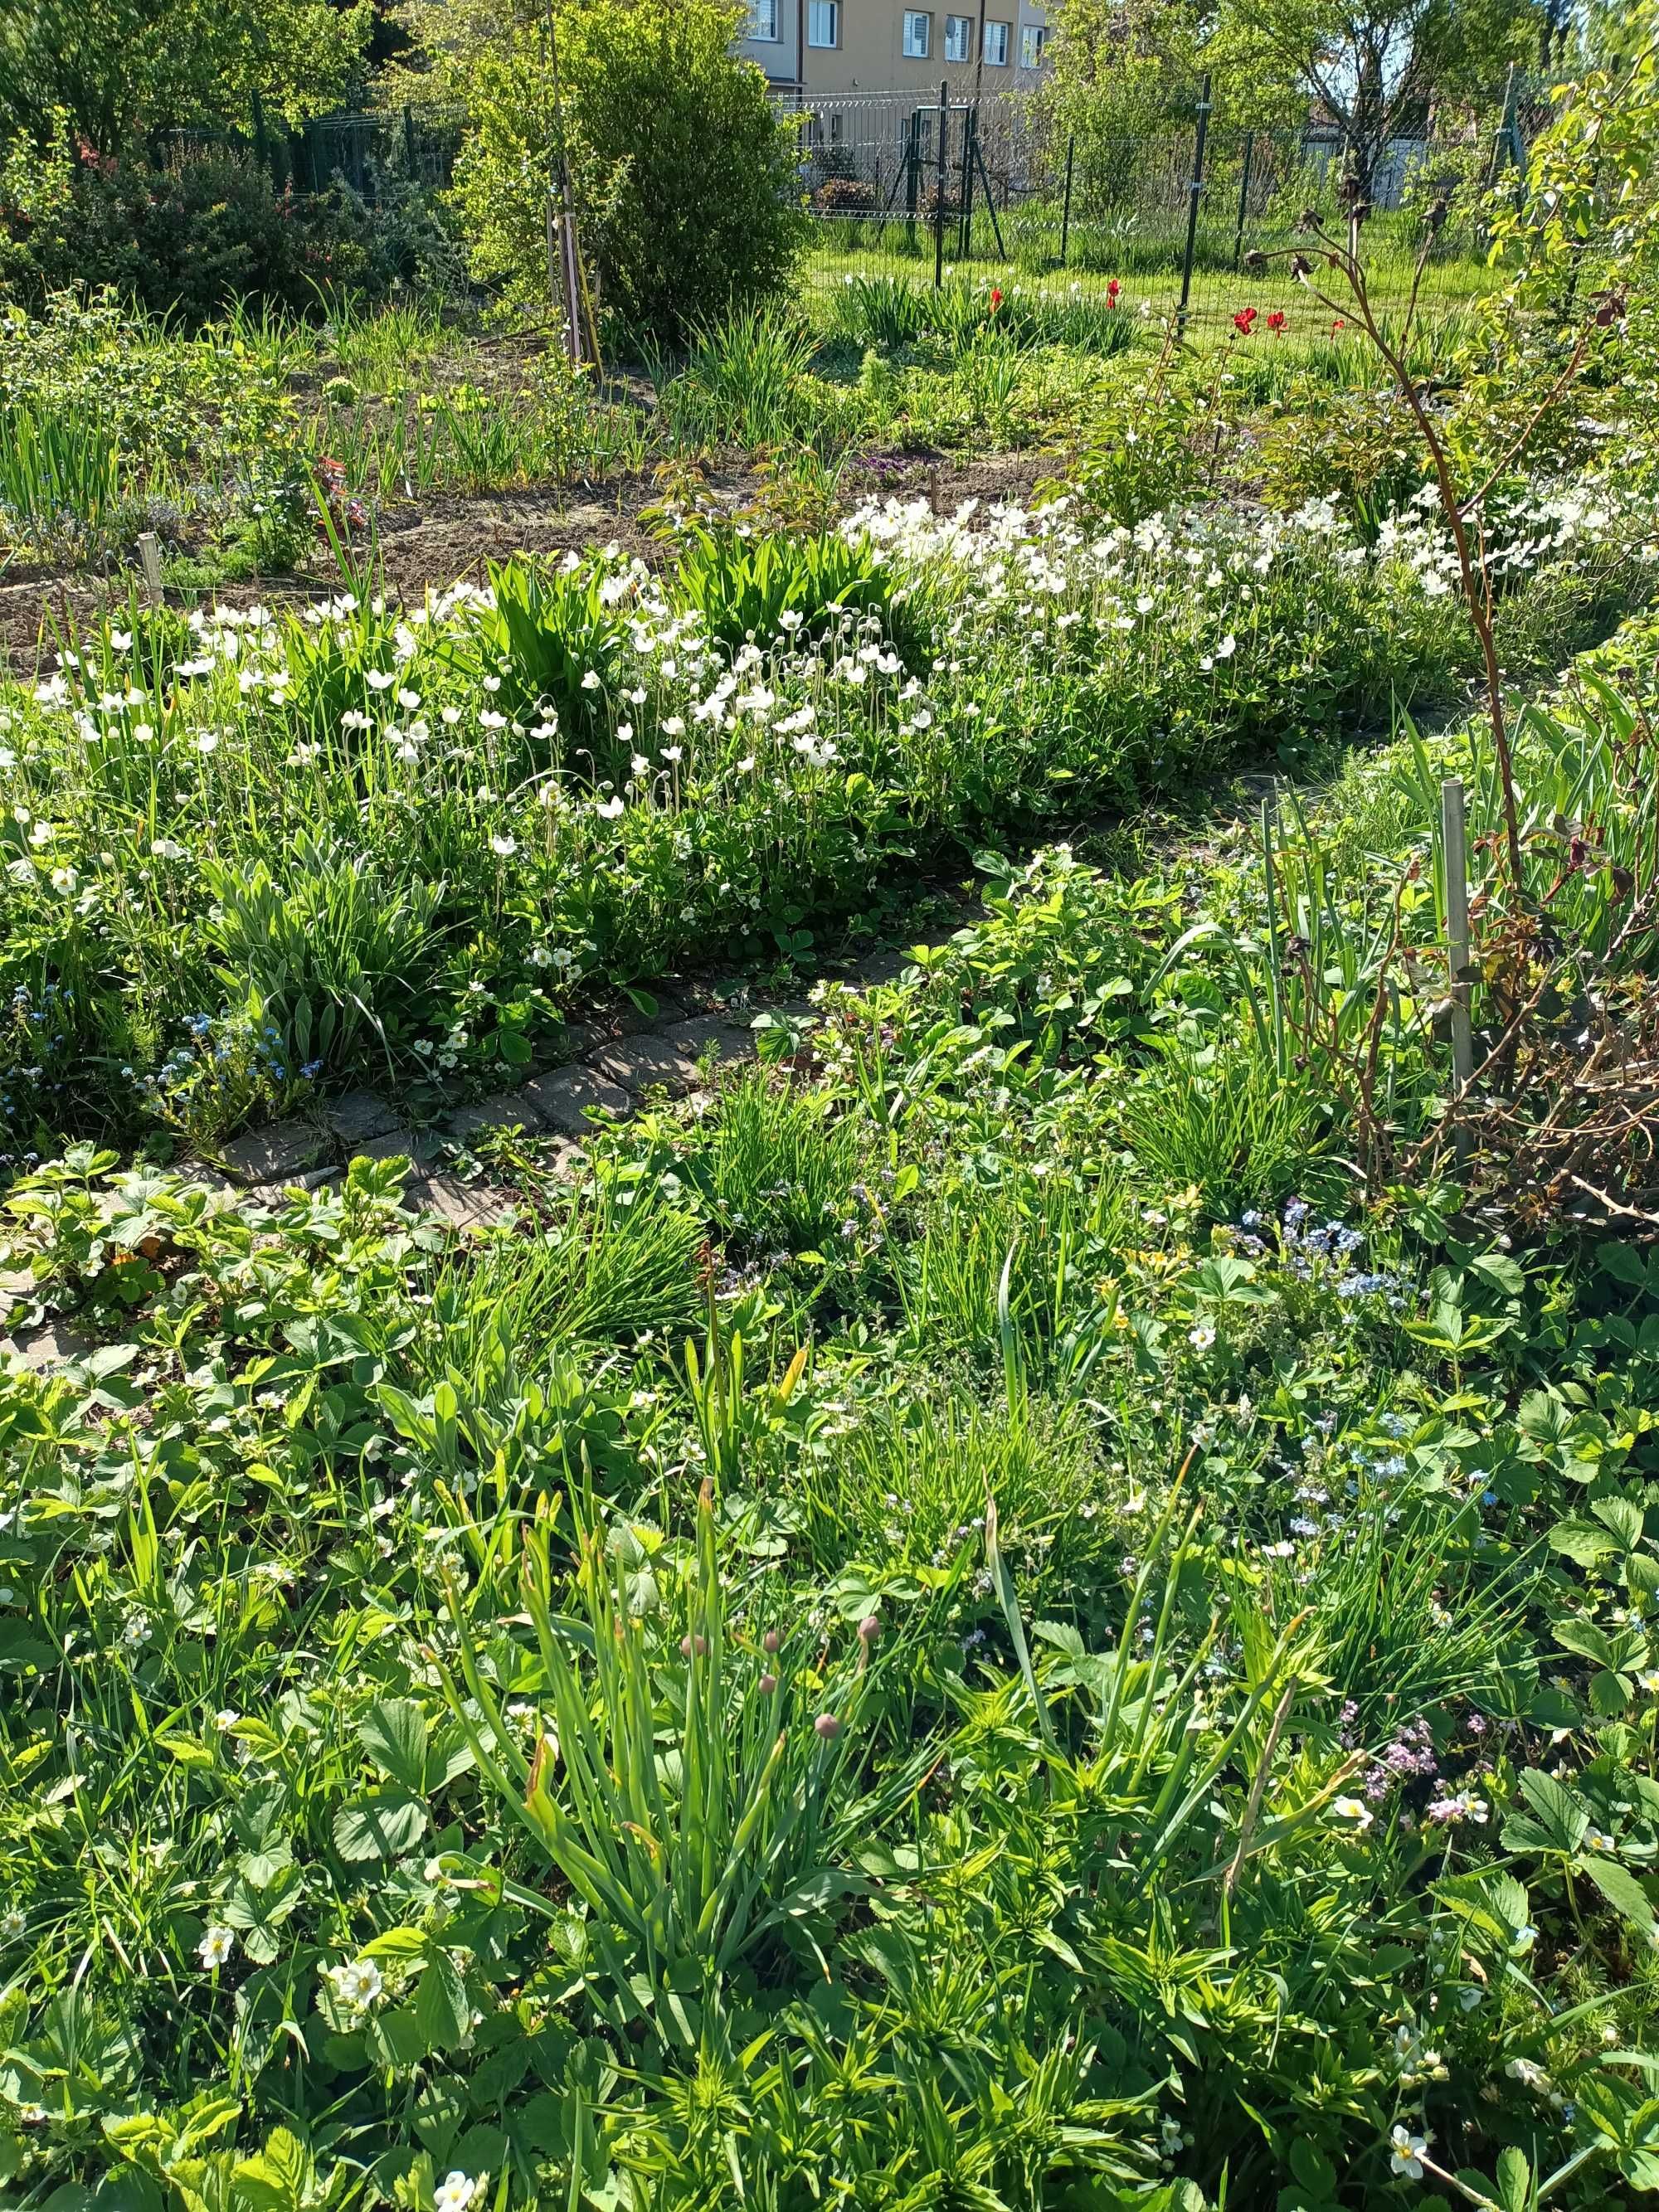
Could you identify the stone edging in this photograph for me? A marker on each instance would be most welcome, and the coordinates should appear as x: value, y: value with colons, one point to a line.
x: 617, y: 1069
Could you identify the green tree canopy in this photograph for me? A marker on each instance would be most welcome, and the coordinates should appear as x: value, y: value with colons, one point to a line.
x: 1370, y: 66
x: 112, y: 70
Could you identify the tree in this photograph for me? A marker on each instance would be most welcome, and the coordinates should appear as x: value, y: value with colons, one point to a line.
x: 1375, y: 67
x: 119, y: 69
x: 684, y: 176
x: 1372, y: 67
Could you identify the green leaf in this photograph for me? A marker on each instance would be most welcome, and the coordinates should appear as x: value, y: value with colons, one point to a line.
x: 442, y: 2016
x: 381, y: 1825
x: 1543, y: 1419
x: 1623, y: 1263
x: 1230, y: 1281
x: 1623, y: 1517
x: 1311, y: 2168
x: 397, y: 1943
x: 394, y: 1733
x: 1585, y: 1639
x: 1498, y: 1269
x: 1609, y: 1693
x: 1513, y: 2181
x: 1620, y: 1888
x: 1557, y: 1807
x: 1582, y: 1541
x: 278, y: 2179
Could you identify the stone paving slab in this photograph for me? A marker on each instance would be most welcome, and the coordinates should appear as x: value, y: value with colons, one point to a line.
x: 284, y: 1188
x: 670, y: 1007
x: 561, y: 1099
x: 54, y: 1345
x: 462, y: 1205
x: 608, y: 1064
x: 418, y: 1146
x: 506, y: 1111
x: 282, y: 1148
x: 713, y: 1036
x: 645, y: 1063
x: 359, y: 1116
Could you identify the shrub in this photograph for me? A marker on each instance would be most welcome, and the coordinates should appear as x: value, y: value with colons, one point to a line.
x: 685, y: 178
x: 846, y: 196
x: 185, y: 243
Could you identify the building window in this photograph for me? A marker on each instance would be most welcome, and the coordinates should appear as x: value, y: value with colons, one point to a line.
x: 824, y: 22
x: 958, y: 38
x: 763, y: 19
x: 996, y: 49
x: 1032, y: 39
x: 918, y: 33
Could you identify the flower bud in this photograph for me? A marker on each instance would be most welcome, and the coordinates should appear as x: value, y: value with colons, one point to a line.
x: 869, y: 1628
x: 770, y: 1641
x: 828, y: 1727
x: 769, y: 1683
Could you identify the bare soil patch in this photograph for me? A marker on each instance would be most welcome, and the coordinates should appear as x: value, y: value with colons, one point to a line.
x: 436, y: 542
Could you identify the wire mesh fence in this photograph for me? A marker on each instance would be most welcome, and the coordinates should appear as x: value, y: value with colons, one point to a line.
x: 361, y: 150
x: 981, y: 189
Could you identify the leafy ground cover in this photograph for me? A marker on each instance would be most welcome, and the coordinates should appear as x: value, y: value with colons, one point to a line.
x: 947, y: 1624
x: 1042, y: 1599
x: 247, y: 853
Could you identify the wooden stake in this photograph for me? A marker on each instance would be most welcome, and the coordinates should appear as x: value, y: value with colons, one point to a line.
x: 149, y: 554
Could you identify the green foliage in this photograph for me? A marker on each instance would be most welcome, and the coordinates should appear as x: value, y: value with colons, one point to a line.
x: 186, y: 243
x: 746, y: 588
x: 570, y: 1733
x: 1046, y: 1600
x: 112, y: 425
x: 319, y: 948
x: 683, y: 174
x: 108, y: 73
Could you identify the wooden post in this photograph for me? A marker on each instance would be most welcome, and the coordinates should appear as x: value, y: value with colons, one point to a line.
x: 1454, y: 839
x: 149, y: 554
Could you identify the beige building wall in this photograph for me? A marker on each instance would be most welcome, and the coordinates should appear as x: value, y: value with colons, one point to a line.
x: 774, y: 42
x: 881, y: 45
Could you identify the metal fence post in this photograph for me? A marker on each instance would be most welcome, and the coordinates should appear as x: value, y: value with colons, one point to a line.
x: 965, y: 223
x: 944, y: 172
x: 1244, y: 199
x: 1066, y: 204
x: 1193, y: 192
x: 1500, y: 138
x: 1454, y: 838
